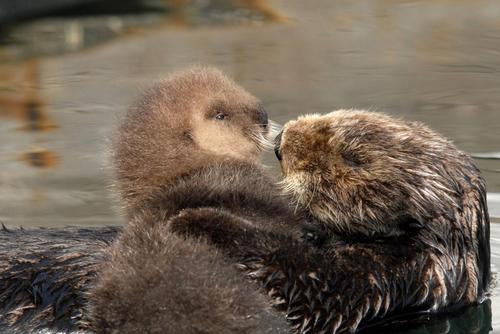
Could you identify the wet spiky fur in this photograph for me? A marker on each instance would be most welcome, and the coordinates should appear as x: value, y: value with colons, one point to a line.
x: 399, y: 187
x: 355, y: 166
x: 45, y: 275
x: 365, y: 174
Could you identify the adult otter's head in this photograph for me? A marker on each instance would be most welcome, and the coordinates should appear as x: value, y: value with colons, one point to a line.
x: 193, y: 118
x: 369, y: 174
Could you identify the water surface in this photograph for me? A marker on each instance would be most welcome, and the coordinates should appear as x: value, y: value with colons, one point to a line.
x: 64, y: 81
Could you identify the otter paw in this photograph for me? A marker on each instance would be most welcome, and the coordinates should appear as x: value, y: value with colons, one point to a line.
x: 314, y: 235
x: 218, y: 227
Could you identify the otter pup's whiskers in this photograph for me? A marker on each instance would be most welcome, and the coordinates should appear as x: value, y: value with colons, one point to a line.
x: 263, y: 142
x: 274, y: 129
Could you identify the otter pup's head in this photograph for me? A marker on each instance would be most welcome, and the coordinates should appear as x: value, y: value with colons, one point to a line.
x: 193, y: 118
x: 369, y: 174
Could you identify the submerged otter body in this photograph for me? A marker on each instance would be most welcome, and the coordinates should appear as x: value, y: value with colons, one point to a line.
x: 405, y: 218
x: 46, y: 273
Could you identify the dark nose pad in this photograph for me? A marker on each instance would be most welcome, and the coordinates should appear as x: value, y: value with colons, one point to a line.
x: 277, y: 145
x: 263, y: 119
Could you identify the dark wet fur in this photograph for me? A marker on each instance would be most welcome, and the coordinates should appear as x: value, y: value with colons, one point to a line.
x: 45, y: 274
x: 345, y: 289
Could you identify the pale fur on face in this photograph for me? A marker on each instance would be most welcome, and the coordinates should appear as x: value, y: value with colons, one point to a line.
x: 223, y: 139
x: 172, y: 130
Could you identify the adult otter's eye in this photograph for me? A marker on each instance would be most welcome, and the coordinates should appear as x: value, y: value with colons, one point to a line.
x: 220, y: 117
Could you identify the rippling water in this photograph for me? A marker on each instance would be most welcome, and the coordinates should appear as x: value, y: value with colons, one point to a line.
x: 65, y: 81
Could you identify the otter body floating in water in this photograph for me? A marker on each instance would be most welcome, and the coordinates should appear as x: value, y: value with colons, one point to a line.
x: 375, y: 177
x: 404, y: 209
x: 402, y: 214
x: 186, y: 161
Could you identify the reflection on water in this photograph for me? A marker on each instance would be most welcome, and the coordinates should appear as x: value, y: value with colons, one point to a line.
x: 475, y: 319
x: 40, y: 158
x: 19, y: 99
x: 101, y: 22
x: 64, y: 82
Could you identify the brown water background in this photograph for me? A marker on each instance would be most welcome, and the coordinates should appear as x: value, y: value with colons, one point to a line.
x: 65, y: 81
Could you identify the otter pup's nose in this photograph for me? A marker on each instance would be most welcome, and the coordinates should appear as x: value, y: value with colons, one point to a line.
x: 263, y: 119
x: 277, y: 144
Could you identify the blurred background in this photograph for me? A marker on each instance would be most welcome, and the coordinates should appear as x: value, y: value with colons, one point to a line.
x: 70, y: 68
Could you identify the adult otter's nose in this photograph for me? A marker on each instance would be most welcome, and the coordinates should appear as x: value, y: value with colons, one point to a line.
x: 263, y: 119
x: 277, y: 145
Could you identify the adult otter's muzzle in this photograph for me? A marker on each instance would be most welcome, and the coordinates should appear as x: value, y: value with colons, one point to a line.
x: 277, y: 144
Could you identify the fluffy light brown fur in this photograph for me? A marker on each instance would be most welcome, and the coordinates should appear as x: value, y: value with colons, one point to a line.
x: 172, y: 130
x: 158, y: 282
x: 188, y: 151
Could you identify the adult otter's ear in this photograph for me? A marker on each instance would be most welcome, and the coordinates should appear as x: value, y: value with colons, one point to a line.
x: 411, y: 224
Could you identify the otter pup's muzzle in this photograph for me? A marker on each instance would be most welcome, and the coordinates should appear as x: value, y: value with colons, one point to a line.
x: 263, y: 118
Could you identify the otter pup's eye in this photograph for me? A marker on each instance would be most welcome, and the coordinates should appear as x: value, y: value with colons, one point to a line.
x: 220, y: 117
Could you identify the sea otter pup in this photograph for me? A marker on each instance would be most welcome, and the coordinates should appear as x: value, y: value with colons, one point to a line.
x: 189, y: 150
x: 406, y: 214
